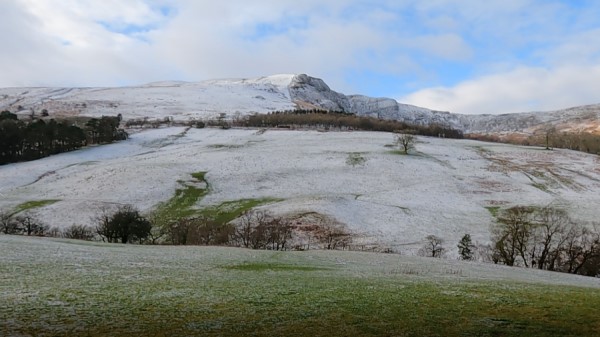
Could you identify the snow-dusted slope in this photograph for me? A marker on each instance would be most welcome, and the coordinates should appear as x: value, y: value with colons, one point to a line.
x: 577, y: 119
x: 180, y: 100
x: 391, y: 200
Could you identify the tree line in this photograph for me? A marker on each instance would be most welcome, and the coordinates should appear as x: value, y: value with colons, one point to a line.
x: 577, y: 141
x: 254, y: 229
x: 343, y: 120
x: 23, y: 141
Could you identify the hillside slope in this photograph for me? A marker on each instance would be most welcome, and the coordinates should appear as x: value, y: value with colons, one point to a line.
x: 446, y: 187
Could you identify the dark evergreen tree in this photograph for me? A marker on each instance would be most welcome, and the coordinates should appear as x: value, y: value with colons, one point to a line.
x: 466, y: 247
x: 7, y: 115
x: 21, y: 141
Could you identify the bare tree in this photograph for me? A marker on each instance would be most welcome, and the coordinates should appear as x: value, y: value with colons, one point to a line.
x: 8, y: 225
x: 157, y: 233
x: 79, y: 232
x: 103, y: 228
x: 31, y: 227
x: 433, y: 247
x: 552, y: 230
x: 332, y: 234
x: 484, y: 253
x: 549, y: 133
x: 279, y: 232
x: 54, y: 232
x: 178, y: 231
x: 251, y: 229
x: 582, y: 251
x: 512, y: 234
x: 405, y: 141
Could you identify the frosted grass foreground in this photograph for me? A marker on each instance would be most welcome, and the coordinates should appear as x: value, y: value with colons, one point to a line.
x: 52, y: 287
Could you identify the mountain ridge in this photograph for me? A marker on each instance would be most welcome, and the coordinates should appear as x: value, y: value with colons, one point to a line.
x: 238, y: 97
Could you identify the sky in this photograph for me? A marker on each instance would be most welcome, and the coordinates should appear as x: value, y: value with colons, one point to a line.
x: 463, y: 56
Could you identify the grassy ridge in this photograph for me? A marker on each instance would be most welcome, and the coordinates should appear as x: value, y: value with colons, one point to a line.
x: 114, y: 290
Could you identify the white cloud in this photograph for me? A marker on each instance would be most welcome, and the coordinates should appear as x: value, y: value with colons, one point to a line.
x: 520, y: 90
x: 215, y: 41
x: 89, y: 43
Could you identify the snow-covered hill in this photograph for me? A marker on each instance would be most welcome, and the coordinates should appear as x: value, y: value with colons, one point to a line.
x: 180, y: 100
x: 446, y: 188
x: 238, y: 97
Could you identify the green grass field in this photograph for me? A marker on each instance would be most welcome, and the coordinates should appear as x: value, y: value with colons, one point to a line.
x: 183, y: 203
x: 32, y: 204
x: 52, y: 287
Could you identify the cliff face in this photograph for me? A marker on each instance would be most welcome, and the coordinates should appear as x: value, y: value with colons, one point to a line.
x: 315, y: 92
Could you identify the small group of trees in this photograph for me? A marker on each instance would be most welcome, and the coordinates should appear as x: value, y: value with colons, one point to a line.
x: 254, y: 229
x: 199, y: 230
x: 126, y: 225
x: 332, y: 234
x: 545, y: 238
x: 433, y: 246
x: 104, y: 130
x: 21, y: 225
x: 12, y: 224
x: 22, y: 141
x: 78, y: 232
x: 261, y: 230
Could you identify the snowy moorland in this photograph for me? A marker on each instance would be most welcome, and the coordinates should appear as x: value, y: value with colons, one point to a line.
x: 179, y: 100
x: 52, y: 287
x: 391, y: 201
